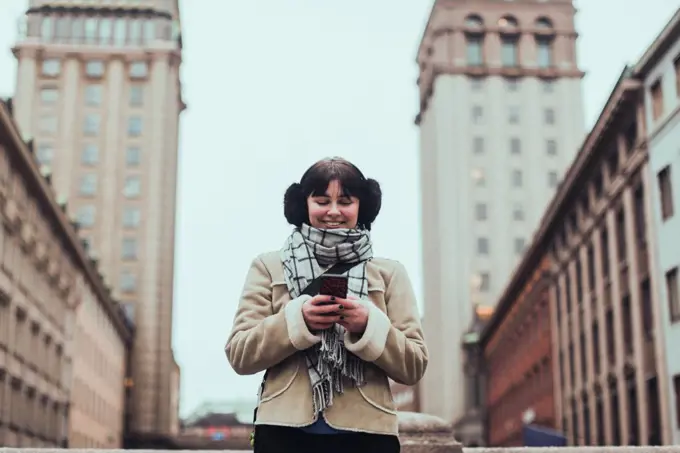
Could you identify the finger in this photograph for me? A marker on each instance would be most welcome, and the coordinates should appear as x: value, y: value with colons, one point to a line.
x: 321, y: 299
x: 348, y: 304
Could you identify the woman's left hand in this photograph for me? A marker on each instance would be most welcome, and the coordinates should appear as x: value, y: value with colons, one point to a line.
x: 353, y: 316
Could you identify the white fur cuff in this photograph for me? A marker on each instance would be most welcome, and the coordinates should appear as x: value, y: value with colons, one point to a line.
x: 372, y: 343
x: 298, y: 333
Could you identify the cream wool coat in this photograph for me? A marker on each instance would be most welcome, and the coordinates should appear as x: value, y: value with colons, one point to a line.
x: 269, y: 331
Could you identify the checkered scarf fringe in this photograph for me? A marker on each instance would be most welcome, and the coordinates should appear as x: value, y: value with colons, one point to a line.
x: 307, y: 253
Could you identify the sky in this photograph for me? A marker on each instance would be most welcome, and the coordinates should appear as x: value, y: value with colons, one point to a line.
x: 271, y: 87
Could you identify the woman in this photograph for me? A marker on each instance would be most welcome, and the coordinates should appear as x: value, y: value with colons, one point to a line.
x: 328, y: 358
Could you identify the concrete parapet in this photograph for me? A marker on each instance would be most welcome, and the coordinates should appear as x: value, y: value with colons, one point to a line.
x: 424, y: 433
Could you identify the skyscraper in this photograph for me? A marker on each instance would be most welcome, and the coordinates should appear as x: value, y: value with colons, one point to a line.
x: 98, y: 89
x: 500, y: 119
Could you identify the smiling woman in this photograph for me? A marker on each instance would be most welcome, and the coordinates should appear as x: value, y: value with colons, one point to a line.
x: 329, y: 322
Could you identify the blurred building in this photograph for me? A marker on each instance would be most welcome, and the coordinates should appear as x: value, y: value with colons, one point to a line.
x: 51, y: 377
x: 500, y: 119
x: 470, y: 429
x: 517, y: 348
x: 405, y: 397
x: 659, y: 70
x: 219, y: 425
x: 98, y: 89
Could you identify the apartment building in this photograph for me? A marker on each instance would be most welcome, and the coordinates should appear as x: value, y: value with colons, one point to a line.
x: 98, y: 90
x: 659, y: 71
x: 517, y: 352
x: 500, y: 119
x: 48, y: 289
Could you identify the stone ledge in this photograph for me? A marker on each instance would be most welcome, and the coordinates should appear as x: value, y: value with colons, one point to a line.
x: 423, y: 447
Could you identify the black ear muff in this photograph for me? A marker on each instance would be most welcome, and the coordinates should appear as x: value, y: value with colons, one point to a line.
x: 295, y: 205
x: 371, y: 203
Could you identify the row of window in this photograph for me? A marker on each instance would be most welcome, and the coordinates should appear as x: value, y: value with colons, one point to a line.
x: 94, y: 69
x: 513, y: 115
x: 88, y: 185
x: 514, y: 145
x: 86, y: 216
x: 516, y: 178
x: 93, y: 94
x: 89, y: 155
x: 510, y: 56
x: 512, y: 84
x: 48, y: 125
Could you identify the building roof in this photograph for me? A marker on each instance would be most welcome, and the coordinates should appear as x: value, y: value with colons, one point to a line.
x: 668, y: 36
x: 23, y: 158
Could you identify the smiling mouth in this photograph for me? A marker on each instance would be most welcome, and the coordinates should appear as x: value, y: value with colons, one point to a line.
x: 333, y: 224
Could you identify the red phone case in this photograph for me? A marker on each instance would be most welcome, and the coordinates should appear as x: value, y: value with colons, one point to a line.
x: 334, y: 286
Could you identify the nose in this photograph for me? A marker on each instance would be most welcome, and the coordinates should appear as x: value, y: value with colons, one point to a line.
x: 334, y: 209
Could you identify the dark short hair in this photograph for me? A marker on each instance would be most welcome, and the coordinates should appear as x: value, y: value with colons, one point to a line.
x: 315, y: 181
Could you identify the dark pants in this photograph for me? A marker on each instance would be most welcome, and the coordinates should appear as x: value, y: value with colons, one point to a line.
x: 280, y: 439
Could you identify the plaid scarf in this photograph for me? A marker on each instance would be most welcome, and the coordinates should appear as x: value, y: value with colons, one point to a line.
x: 307, y: 253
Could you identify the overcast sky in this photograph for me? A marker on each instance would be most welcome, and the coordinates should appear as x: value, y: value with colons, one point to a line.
x: 274, y: 85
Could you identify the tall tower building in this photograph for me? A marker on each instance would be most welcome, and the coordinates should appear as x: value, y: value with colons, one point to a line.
x: 500, y: 119
x: 98, y: 89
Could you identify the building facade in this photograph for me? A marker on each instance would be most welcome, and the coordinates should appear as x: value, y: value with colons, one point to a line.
x: 500, y: 119
x: 659, y: 70
x: 48, y: 286
x: 98, y: 90
x: 517, y: 346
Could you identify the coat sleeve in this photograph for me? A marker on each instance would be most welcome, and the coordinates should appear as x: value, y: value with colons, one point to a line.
x: 259, y: 337
x: 394, y: 341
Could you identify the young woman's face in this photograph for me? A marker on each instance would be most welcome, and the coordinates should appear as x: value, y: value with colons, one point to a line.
x: 333, y: 209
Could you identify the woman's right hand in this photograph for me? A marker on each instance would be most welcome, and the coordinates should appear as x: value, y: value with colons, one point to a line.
x: 321, y: 312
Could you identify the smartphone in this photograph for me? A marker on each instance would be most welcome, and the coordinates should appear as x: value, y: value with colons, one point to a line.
x: 333, y: 285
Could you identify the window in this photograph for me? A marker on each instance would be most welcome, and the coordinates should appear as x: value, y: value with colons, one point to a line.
x: 549, y: 116
x: 90, y: 30
x: 149, y: 31
x: 135, y: 126
x: 128, y: 282
x: 93, y: 95
x: 515, y: 146
x: 119, y: 32
x: 478, y: 177
x: 86, y: 216
x: 136, y: 95
x: 551, y: 147
x: 482, y: 246
x: 478, y: 145
x: 94, y: 68
x: 513, y: 114
x: 49, y: 95
x: 135, y: 31
x: 509, y: 57
x: 91, y: 125
x: 45, y: 154
x: 88, y: 184
x: 51, y: 67
x: 47, y: 124
x: 131, y: 217
x: 484, y: 281
x: 89, y: 155
x: 477, y: 114
x: 129, y: 250
x: 133, y: 156
x: 480, y: 211
x: 475, y: 53
x: 132, y: 187
x: 129, y: 309
x: 105, y: 31
x: 544, y: 53
x: 517, y: 212
x: 657, y: 99
x: 666, y: 192
x: 77, y: 30
x: 46, y: 31
x: 476, y: 83
x: 548, y: 86
x: 517, y: 178
x: 138, y: 70
x: 553, y: 178
x: 519, y: 245
x: 673, y: 294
